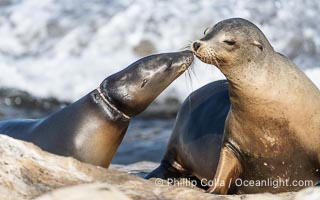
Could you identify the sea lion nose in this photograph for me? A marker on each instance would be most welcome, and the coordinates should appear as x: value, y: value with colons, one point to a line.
x: 196, y: 46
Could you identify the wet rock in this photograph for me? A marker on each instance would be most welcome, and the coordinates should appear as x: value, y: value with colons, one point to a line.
x: 96, y: 191
x: 20, y: 104
x: 144, y: 48
x: 162, y: 110
x: 308, y: 193
x: 140, y: 169
x: 27, y: 172
x: 6, y: 2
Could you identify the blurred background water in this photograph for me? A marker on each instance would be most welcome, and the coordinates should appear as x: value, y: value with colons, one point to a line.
x: 52, y: 52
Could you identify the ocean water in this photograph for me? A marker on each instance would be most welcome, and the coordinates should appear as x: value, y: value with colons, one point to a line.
x: 65, y: 48
x: 59, y: 50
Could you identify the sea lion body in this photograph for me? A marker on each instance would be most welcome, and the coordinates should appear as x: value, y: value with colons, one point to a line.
x: 273, y: 126
x: 195, y: 143
x: 82, y: 130
x: 92, y: 128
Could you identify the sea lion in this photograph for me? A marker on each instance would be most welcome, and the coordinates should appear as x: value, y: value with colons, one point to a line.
x: 195, y: 143
x: 92, y: 128
x: 273, y: 127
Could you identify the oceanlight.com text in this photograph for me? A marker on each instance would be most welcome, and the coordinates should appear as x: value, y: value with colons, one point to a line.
x: 274, y: 183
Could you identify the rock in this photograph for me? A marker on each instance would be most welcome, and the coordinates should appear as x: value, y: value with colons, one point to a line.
x: 162, y: 110
x: 144, y: 48
x: 140, y: 169
x: 5, y: 2
x: 20, y: 104
x: 96, y: 191
x: 27, y: 172
x: 308, y: 193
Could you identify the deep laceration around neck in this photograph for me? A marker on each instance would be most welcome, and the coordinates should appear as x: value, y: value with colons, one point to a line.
x: 106, y: 103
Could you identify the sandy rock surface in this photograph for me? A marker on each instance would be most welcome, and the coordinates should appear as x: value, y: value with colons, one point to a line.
x: 27, y: 172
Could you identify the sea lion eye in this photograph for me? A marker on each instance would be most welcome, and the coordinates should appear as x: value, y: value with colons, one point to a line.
x: 144, y: 82
x: 168, y: 65
x: 229, y: 42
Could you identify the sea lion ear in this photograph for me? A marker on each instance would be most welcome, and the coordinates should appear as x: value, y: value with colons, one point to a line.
x: 257, y: 44
x: 206, y: 31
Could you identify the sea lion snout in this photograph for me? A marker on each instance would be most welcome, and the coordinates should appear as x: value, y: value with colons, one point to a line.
x: 186, y: 57
x: 190, y: 57
x: 204, y: 51
x: 172, y: 61
x: 182, y: 60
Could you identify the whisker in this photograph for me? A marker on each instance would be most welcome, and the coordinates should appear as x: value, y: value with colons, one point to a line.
x: 192, y: 69
x: 188, y: 46
x: 186, y: 78
x: 190, y: 78
x: 185, y: 48
x: 190, y: 84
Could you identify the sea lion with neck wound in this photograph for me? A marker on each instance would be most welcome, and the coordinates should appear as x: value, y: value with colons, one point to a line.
x: 92, y: 128
x: 272, y: 130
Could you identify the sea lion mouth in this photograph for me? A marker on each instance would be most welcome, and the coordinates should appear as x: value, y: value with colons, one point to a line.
x: 183, y: 68
x: 187, y: 63
x: 207, y: 55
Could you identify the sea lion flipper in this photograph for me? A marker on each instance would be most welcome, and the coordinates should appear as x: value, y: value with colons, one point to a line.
x: 164, y: 171
x: 229, y: 169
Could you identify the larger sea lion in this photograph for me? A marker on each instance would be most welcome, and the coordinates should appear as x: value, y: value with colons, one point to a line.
x: 92, y: 128
x: 272, y: 131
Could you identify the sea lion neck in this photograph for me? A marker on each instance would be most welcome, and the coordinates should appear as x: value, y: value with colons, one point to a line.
x: 115, y: 102
x: 247, y: 82
x: 124, y: 97
x: 112, y: 107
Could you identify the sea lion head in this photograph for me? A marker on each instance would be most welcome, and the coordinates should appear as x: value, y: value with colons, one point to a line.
x: 231, y: 42
x: 135, y: 87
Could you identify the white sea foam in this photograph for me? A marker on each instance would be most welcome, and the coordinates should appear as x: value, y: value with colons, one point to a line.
x: 314, y: 75
x: 65, y: 49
